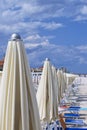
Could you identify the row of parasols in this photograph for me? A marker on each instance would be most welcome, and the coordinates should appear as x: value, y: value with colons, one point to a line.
x: 20, y: 107
x: 52, y: 88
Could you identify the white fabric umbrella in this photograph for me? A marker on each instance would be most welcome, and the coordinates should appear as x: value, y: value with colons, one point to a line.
x: 18, y: 106
x: 65, y: 80
x: 61, y: 83
x: 55, y: 82
x: 59, y: 76
x: 46, y: 96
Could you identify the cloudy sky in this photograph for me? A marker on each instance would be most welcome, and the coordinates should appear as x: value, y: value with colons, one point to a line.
x: 56, y: 29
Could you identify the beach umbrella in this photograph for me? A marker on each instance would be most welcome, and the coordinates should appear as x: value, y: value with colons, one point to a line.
x: 61, y: 83
x: 46, y: 96
x: 65, y: 80
x: 18, y: 106
x: 59, y: 77
x: 55, y: 82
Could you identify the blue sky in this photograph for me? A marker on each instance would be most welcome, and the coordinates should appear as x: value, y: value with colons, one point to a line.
x: 56, y: 29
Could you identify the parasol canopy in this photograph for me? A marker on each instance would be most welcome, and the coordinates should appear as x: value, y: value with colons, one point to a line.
x: 46, y: 95
x: 18, y: 106
x: 54, y: 71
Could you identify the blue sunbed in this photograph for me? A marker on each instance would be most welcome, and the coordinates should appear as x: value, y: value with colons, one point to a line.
x: 76, y: 128
x: 77, y: 108
x: 74, y: 115
x: 71, y: 115
x: 76, y: 122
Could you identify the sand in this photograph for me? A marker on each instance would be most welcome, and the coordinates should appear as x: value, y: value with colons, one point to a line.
x: 82, y: 91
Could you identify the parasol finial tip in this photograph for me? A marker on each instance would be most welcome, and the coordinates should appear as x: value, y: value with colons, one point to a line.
x: 47, y: 59
x: 15, y: 36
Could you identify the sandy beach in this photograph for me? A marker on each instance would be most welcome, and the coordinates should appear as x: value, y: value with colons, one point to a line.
x: 83, y: 91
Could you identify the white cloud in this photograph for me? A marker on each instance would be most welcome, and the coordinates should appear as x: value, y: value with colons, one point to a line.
x: 84, y: 10
x: 29, y: 27
x: 33, y: 37
x: 41, y: 10
x: 30, y: 16
x: 58, y: 54
x: 52, y: 25
x: 82, y: 13
x: 81, y: 59
x: 82, y: 48
x: 32, y: 8
x: 34, y: 45
x: 39, y: 50
x: 36, y: 40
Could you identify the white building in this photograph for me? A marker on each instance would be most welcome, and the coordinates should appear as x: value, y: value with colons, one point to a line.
x: 36, y: 76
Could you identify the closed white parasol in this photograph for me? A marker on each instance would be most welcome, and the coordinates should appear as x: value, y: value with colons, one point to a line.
x: 46, y: 96
x: 54, y: 71
x: 18, y: 106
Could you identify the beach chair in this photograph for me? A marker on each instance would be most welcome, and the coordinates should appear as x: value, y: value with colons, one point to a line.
x: 78, y: 122
x: 77, y: 128
x: 72, y: 115
x: 77, y: 109
x: 72, y: 126
x: 53, y: 126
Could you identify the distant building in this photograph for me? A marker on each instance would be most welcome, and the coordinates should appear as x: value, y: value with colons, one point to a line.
x: 64, y: 69
x: 36, y: 75
x: 37, y: 72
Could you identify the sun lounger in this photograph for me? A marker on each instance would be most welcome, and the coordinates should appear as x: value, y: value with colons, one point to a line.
x: 64, y: 126
x: 73, y: 109
x: 74, y: 115
x: 78, y: 122
x: 55, y: 125
x: 76, y: 109
x: 80, y: 96
x: 77, y: 128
